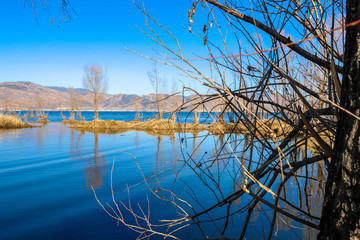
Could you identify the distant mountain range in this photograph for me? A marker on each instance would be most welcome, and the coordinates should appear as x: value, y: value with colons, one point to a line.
x: 27, y: 96
x: 64, y: 89
x: 30, y: 96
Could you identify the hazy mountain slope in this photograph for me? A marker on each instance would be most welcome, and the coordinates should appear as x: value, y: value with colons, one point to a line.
x: 64, y: 89
x: 30, y: 96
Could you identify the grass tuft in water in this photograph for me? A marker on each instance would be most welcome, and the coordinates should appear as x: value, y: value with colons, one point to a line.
x: 8, y: 122
x: 168, y: 127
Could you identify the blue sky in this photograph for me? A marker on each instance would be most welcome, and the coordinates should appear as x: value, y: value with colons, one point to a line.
x: 38, y: 51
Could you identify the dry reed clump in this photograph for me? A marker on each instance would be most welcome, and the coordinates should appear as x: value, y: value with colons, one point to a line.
x: 281, y: 129
x: 43, y: 120
x: 222, y: 128
x: 155, y: 124
x: 150, y: 125
x: 103, y: 131
x: 102, y: 124
x: 70, y: 121
x: 8, y: 122
x: 265, y: 129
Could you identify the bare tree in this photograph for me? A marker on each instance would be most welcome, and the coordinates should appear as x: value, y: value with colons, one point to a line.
x: 341, y: 215
x: 175, y: 100
x: 137, y: 109
x: 79, y: 104
x: 64, y: 10
x: 73, y: 103
x: 40, y: 113
x: 294, y: 70
x: 158, y: 84
x: 95, y: 80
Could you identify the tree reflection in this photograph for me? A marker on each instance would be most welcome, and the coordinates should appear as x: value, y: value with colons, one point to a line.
x: 211, y: 170
x: 159, y: 153
x: 94, y: 174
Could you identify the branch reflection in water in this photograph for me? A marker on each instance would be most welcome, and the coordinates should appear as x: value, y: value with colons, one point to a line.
x: 198, y: 180
x: 97, y: 167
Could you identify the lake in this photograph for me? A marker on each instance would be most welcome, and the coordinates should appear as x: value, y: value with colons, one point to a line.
x: 47, y: 175
x: 183, y: 117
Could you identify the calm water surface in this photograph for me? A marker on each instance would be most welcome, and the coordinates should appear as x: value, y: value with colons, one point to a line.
x: 55, y: 116
x: 46, y: 174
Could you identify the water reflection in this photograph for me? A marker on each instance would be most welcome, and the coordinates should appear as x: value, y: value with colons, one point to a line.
x: 159, y: 154
x: 37, y: 162
x: 210, y: 169
x: 97, y: 167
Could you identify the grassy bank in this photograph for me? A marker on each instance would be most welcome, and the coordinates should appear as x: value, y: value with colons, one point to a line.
x: 9, y: 122
x: 264, y: 129
x: 155, y: 126
x: 70, y: 121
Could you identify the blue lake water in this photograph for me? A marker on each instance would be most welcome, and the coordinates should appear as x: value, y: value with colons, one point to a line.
x: 46, y: 175
x: 204, y: 117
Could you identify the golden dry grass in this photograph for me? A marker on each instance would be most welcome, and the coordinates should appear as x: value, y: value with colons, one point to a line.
x: 267, y: 128
x: 70, y: 121
x: 264, y: 128
x: 43, y: 120
x: 169, y: 127
x: 155, y: 126
x: 9, y: 122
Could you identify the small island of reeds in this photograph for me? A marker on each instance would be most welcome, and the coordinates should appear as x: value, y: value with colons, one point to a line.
x: 10, y: 122
x: 266, y: 128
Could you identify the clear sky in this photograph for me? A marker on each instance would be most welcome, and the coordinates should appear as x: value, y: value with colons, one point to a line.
x: 33, y: 49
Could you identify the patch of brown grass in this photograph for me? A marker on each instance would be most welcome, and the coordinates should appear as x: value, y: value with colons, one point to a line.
x: 43, y: 120
x: 9, y: 122
x: 264, y: 128
x: 101, y: 124
x: 168, y: 127
x: 150, y: 125
x: 70, y: 121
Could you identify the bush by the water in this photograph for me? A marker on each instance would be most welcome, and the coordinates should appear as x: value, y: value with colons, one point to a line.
x: 11, y: 122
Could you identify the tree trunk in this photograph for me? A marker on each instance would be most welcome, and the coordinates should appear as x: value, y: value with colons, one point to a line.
x: 341, y: 208
x: 196, y: 117
x: 96, y: 115
x: 158, y: 105
x: 96, y: 107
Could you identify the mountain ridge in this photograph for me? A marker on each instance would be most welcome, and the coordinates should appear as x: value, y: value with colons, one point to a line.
x: 31, y: 96
x: 64, y: 89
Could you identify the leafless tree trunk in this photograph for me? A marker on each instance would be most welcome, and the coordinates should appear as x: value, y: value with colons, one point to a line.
x: 175, y: 103
x: 96, y: 82
x: 72, y: 103
x: 158, y: 85
x: 293, y: 73
x: 341, y: 210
